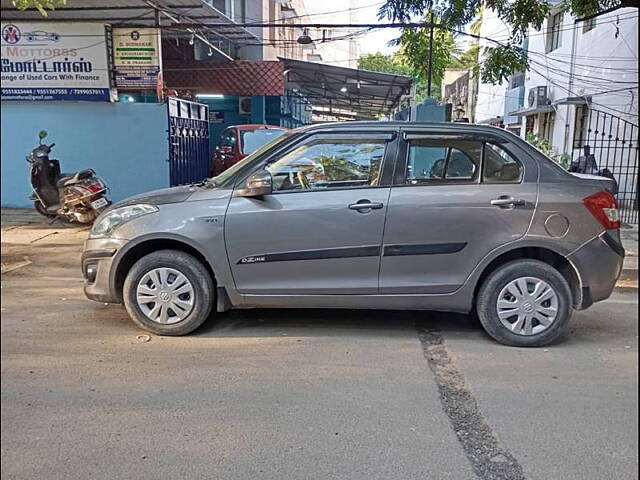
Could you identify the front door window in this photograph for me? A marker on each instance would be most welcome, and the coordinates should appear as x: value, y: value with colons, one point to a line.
x: 329, y: 163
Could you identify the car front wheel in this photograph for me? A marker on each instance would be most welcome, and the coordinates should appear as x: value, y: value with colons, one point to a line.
x: 525, y: 303
x: 168, y: 292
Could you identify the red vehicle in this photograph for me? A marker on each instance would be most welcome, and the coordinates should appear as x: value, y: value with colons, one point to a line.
x: 238, y: 141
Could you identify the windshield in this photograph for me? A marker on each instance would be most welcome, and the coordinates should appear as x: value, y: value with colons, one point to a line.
x: 224, y: 177
x: 254, y: 139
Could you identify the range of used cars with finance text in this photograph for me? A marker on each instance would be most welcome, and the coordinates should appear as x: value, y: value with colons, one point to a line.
x: 378, y: 215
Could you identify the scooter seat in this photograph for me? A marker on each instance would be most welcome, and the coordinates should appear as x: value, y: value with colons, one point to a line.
x: 77, y: 177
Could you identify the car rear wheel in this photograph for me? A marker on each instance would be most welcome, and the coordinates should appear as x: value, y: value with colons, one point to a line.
x: 525, y: 303
x: 168, y: 292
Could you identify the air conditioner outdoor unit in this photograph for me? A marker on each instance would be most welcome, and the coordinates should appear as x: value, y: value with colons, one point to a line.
x: 244, y: 105
x: 538, y: 97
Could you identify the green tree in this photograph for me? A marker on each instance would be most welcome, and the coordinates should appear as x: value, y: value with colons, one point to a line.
x: 379, y: 62
x: 397, y: 64
x: 499, y: 60
x: 412, y: 59
x: 41, y: 5
x: 415, y: 45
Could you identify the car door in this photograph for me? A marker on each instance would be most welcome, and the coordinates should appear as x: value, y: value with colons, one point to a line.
x: 320, y: 231
x: 454, y: 200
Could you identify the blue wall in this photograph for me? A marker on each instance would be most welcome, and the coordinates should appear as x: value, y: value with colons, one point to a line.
x: 125, y: 143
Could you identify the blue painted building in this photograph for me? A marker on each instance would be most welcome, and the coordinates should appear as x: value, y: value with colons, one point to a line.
x: 125, y: 143
x: 132, y: 141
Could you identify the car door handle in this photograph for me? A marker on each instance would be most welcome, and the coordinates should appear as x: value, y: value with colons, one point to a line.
x: 365, y: 205
x: 505, y: 201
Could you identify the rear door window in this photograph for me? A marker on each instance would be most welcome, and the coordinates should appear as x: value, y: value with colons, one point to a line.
x: 500, y: 166
x: 442, y: 160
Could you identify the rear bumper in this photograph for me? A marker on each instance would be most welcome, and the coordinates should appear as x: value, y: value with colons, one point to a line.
x: 599, y: 264
x: 97, y: 262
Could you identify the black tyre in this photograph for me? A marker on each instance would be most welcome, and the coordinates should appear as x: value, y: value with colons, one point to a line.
x: 525, y: 303
x: 168, y: 292
x: 42, y: 211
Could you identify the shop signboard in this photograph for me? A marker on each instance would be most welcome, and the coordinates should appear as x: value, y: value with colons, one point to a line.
x: 54, y: 61
x: 136, y: 57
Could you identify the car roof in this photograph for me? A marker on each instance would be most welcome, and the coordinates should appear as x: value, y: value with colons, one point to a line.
x: 375, y: 125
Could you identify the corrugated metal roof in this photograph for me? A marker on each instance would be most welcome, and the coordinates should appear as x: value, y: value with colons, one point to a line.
x: 360, y: 94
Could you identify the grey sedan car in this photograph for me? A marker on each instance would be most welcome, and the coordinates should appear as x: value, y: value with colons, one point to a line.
x: 377, y: 215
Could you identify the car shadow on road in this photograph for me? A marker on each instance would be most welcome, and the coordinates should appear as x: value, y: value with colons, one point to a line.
x: 326, y: 322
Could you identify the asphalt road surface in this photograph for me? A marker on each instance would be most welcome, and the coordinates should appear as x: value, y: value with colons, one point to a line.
x: 318, y: 394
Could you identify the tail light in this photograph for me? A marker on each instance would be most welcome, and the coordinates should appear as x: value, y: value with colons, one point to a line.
x: 604, y: 208
x: 94, y: 187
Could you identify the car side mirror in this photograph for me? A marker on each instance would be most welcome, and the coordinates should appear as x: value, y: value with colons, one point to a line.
x: 42, y: 134
x: 256, y: 185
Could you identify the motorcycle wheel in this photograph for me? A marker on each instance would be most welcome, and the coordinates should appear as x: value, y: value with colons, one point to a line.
x: 43, y: 211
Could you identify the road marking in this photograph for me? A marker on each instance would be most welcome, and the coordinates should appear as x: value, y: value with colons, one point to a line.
x: 489, y: 459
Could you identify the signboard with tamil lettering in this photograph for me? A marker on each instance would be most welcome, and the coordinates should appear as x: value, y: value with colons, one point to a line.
x: 54, y: 61
x: 136, y: 57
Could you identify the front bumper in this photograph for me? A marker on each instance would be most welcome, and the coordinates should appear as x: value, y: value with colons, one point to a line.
x: 97, y: 263
x: 599, y: 264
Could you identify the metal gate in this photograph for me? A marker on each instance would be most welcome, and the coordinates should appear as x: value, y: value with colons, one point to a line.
x: 614, y: 143
x: 189, y: 159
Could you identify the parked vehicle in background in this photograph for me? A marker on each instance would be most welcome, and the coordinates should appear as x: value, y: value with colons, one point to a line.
x: 77, y: 197
x: 383, y: 215
x: 238, y: 141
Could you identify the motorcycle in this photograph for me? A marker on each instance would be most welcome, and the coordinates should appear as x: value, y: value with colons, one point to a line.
x: 588, y: 164
x: 77, y: 197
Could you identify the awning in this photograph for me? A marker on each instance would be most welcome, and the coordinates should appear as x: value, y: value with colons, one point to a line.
x: 572, y: 101
x: 142, y: 13
x: 346, y: 93
x: 490, y: 121
x: 523, y: 112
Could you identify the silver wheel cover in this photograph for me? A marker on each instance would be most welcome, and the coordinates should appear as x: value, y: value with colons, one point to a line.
x: 165, y: 295
x: 527, y: 306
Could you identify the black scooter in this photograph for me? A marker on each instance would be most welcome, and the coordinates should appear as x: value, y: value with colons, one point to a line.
x: 77, y: 197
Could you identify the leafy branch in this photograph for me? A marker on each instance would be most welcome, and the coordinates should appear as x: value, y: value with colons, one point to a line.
x: 41, y: 5
x: 499, y: 61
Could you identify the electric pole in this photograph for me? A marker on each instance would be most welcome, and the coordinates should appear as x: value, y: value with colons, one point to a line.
x: 430, y: 55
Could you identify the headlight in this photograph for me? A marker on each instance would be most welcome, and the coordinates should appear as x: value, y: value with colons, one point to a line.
x: 116, y: 217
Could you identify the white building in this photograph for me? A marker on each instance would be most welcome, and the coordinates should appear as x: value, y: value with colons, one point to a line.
x: 581, y: 89
x: 335, y: 46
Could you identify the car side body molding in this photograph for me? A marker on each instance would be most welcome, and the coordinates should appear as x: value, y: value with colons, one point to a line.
x: 351, y: 252
x: 423, y: 249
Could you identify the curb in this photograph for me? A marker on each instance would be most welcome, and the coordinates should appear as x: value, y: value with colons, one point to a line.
x: 626, y: 288
x: 629, y: 275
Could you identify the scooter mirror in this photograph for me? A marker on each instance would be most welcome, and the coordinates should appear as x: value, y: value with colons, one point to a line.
x: 42, y: 134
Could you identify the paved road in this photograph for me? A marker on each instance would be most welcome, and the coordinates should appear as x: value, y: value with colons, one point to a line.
x: 300, y: 394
